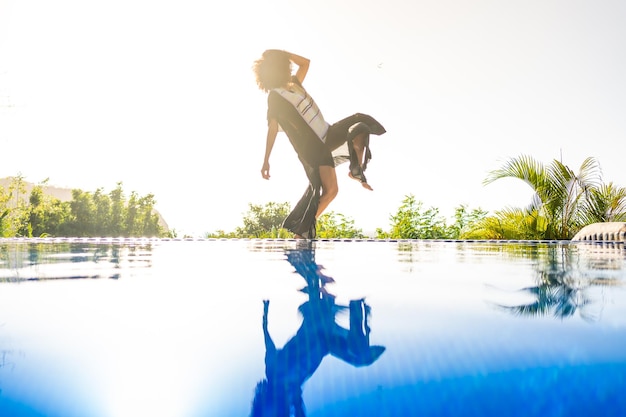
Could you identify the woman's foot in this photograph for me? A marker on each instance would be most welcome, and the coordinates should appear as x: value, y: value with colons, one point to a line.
x: 358, y: 158
x: 363, y: 183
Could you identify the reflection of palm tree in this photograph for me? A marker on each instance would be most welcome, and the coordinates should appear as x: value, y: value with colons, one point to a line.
x: 289, y: 367
x: 554, y: 296
x: 564, y: 277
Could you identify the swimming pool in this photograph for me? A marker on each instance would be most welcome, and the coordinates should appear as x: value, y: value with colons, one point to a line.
x: 116, y: 328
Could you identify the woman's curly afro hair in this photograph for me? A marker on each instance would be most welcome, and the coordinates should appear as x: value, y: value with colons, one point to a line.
x: 272, y: 70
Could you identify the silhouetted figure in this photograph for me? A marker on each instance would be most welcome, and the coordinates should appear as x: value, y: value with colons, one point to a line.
x: 288, y: 368
x: 320, y: 146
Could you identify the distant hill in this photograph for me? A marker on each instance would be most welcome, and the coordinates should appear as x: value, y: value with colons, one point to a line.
x: 63, y: 194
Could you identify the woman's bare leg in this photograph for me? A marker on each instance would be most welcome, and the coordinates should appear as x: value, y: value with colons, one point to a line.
x: 329, y: 188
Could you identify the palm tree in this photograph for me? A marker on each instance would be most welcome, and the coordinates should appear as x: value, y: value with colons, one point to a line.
x: 605, y: 204
x: 561, y: 199
x: 509, y: 223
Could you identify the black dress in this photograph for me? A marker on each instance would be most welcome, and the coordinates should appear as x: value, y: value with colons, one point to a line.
x: 335, y: 148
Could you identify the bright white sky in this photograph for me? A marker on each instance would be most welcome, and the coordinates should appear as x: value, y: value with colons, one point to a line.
x: 160, y: 95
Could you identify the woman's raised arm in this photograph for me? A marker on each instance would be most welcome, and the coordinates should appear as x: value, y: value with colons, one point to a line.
x: 302, y: 63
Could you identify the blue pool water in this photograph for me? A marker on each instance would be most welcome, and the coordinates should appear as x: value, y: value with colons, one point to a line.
x: 189, y: 328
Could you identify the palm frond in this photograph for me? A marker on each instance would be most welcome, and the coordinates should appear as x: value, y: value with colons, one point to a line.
x: 604, y: 204
x: 523, y: 167
x: 509, y: 223
x: 563, y: 200
x: 568, y: 192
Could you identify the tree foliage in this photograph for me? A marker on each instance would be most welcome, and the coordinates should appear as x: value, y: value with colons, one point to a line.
x: 46, y: 215
x: 13, y: 208
x: 564, y: 201
x: 265, y: 221
x: 464, y: 222
x: 88, y: 214
x: 604, y: 204
x: 412, y: 221
x: 333, y: 225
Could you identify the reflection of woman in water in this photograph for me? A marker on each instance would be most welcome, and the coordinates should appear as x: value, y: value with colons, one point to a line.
x: 288, y: 368
x: 320, y: 146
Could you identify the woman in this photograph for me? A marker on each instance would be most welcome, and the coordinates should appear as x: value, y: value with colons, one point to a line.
x: 320, y: 146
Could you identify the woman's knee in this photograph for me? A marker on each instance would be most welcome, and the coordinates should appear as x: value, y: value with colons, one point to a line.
x: 331, y: 190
